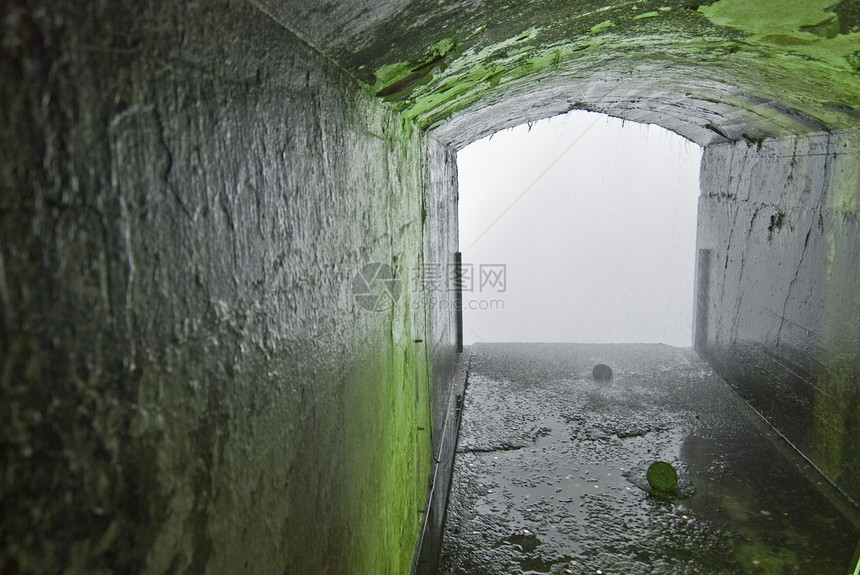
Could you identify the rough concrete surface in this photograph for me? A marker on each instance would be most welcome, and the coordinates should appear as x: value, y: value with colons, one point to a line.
x: 781, y: 305
x: 189, y: 190
x: 187, y: 384
x: 712, y: 71
x: 550, y: 472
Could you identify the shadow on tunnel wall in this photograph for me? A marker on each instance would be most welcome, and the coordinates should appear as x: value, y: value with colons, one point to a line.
x: 188, y: 383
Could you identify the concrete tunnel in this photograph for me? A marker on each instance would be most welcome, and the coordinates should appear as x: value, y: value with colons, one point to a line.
x: 190, y: 383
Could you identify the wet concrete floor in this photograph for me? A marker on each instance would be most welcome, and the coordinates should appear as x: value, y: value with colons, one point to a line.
x: 550, y: 472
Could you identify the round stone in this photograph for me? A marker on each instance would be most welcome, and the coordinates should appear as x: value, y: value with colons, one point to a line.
x: 601, y: 372
x: 662, y: 477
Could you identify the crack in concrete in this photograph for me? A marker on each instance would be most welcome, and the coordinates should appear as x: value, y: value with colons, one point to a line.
x: 129, y: 288
x: 741, y: 285
x: 169, y: 166
x: 5, y: 300
x: 503, y: 447
x: 728, y: 253
x: 825, y: 185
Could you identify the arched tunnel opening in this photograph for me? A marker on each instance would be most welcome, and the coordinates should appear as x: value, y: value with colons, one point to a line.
x: 558, y: 452
x: 215, y: 356
x: 579, y: 228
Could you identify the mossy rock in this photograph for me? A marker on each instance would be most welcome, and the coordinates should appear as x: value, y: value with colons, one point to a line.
x: 601, y: 372
x: 663, y: 477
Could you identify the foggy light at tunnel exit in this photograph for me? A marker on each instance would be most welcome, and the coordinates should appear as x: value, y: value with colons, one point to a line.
x: 594, y: 222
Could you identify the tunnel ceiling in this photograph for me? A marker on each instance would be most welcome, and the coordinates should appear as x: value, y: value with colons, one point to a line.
x: 710, y: 71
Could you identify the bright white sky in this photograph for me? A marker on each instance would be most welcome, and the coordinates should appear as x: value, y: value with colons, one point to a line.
x: 600, y: 245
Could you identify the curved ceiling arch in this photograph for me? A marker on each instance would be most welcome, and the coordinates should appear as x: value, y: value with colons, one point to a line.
x: 710, y: 71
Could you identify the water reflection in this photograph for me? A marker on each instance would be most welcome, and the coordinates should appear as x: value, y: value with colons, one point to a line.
x: 550, y: 472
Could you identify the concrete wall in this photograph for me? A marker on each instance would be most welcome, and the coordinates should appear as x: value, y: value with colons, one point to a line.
x: 187, y: 384
x: 779, y: 287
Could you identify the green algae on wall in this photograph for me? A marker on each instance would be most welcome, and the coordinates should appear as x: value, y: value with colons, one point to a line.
x: 186, y: 382
x: 802, y: 38
x: 396, y: 81
x: 387, y: 442
x: 597, y: 28
x: 426, y: 95
x: 837, y: 419
x: 795, y: 63
x: 837, y: 400
x: 805, y: 27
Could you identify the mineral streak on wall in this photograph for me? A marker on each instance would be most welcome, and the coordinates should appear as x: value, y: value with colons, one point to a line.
x: 187, y: 384
x: 782, y: 295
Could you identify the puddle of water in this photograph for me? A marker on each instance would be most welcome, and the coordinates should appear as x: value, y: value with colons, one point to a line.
x: 767, y: 516
x: 572, y: 498
x: 739, y: 511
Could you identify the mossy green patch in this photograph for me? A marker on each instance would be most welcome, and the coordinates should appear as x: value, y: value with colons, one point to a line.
x: 605, y: 25
x: 777, y: 220
x: 751, y: 141
x: 426, y: 97
x: 397, y: 81
x: 836, y: 405
x: 453, y: 89
x: 783, y: 57
x: 387, y: 459
x: 837, y: 411
x: 846, y: 185
x: 808, y: 27
x: 756, y: 557
x: 663, y: 477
